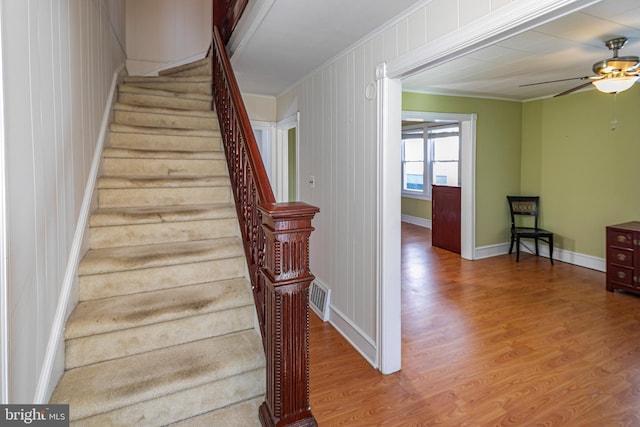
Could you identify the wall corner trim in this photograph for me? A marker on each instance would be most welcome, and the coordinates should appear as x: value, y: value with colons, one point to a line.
x: 354, y: 335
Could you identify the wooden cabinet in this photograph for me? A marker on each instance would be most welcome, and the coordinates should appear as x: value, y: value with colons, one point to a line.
x: 445, y: 217
x: 623, y: 257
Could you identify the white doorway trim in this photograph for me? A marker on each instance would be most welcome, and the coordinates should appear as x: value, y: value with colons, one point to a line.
x: 505, y: 22
x: 388, y: 244
x: 282, y: 157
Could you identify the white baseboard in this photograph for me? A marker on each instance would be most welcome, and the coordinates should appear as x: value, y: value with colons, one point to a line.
x: 563, y: 255
x: 491, y: 251
x: 54, y: 355
x: 422, y: 222
x: 582, y: 260
x: 354, y: 335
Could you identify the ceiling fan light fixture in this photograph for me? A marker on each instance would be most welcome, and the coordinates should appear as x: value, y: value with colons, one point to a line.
x: 614, y: 84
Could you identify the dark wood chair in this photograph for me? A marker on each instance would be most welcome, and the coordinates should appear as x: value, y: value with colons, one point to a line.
x: 527, y: 206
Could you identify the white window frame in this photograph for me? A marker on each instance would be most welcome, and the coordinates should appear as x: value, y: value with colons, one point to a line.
x: 428, y: 161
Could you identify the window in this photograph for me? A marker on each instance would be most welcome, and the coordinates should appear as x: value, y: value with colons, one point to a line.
x: 430, y: 155
x: 413, y: 164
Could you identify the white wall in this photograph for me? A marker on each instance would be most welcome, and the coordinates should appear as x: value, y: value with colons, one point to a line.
x: 59, y: 57
x: 260, y: 107
x: 164, y: 33
x: 338, y: 145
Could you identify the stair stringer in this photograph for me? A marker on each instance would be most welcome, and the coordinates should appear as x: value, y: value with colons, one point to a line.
x: 53, y: 362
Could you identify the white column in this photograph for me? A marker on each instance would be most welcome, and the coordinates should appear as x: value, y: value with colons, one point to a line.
x: 389, y: 304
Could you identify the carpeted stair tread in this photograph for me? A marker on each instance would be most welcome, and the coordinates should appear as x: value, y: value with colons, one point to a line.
x: 158, y: 215
x: 241, y: 414
x: 128, y: 282
x: 138, y: 115
x: 118, y: 127
x: 131, y: 88
x: 111, y: 182
x: 200, y: 64
x: 163, y: 196
x: 141, y: 167
x: 129, y: 311
x: 167, y: 79
x: 109, y: 260
x: 185, y: 404
x: 165, y: 111
x: 168, y: 232
x: 128, y: 153
x: 107, y: 386
x: 92, y: 349
x: 135, y: 95
x: 163, y: 139
x: 191, y: 84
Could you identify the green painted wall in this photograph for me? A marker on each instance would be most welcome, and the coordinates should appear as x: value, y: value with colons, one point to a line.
x: 292, y: 164
x: 498, y: 157
x: 562, y: 149
x: 416, y: 207
x: 586, y: 174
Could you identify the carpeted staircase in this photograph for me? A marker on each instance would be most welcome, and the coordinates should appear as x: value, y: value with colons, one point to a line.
x: 164, y: 331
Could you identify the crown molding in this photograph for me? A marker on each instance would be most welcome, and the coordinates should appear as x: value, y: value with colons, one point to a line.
x: 510, y: 20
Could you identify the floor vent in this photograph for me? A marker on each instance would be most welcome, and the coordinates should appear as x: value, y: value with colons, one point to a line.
x: 319, y: 299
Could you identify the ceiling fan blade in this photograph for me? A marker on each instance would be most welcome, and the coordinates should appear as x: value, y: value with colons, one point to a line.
x: 555, y: 81
x: 567, y: 92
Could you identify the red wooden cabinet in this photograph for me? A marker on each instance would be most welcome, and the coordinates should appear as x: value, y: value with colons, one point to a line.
x: 623, y: 257
x: 445, y: 217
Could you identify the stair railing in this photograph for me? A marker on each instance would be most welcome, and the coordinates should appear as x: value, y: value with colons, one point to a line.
x: 276, y: 246
x: 226, y: 14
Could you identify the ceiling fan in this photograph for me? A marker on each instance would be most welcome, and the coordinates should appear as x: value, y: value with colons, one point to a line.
x: 612, y: 75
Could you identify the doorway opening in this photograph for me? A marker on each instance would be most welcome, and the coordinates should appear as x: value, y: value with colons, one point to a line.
x: 286, y: 159
x: 456, y: 170
x: 504, y: 23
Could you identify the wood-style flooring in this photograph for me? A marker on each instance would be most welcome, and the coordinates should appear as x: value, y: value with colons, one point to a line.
x: 489, y: 343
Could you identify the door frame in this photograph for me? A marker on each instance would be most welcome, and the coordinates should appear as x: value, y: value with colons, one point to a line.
x: 505, y: 22
x: 467, y: 173
x: 282, y: 157
x: 268, y: 143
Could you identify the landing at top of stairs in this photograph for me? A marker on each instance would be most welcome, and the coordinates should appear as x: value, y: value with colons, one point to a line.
x: 202, y: 66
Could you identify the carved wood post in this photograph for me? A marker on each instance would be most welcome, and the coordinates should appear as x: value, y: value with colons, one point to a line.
x: 287, y: 227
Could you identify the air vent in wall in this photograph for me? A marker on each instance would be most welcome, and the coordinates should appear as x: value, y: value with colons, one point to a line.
x: 319, y: 299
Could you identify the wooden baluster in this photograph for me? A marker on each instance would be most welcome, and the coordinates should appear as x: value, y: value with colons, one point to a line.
x: 287, y: 227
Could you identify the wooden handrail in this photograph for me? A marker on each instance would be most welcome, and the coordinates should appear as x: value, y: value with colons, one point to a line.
x: 276, y: 245
x: 226, y: 14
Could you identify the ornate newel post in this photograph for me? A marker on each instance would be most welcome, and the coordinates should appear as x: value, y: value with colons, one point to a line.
x: 287, y: 227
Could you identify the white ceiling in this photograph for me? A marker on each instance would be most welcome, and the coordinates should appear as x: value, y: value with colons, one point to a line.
x: 294, y: 37
x: 297, y: 36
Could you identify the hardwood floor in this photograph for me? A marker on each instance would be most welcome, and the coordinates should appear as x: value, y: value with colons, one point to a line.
x: 489, y: 343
